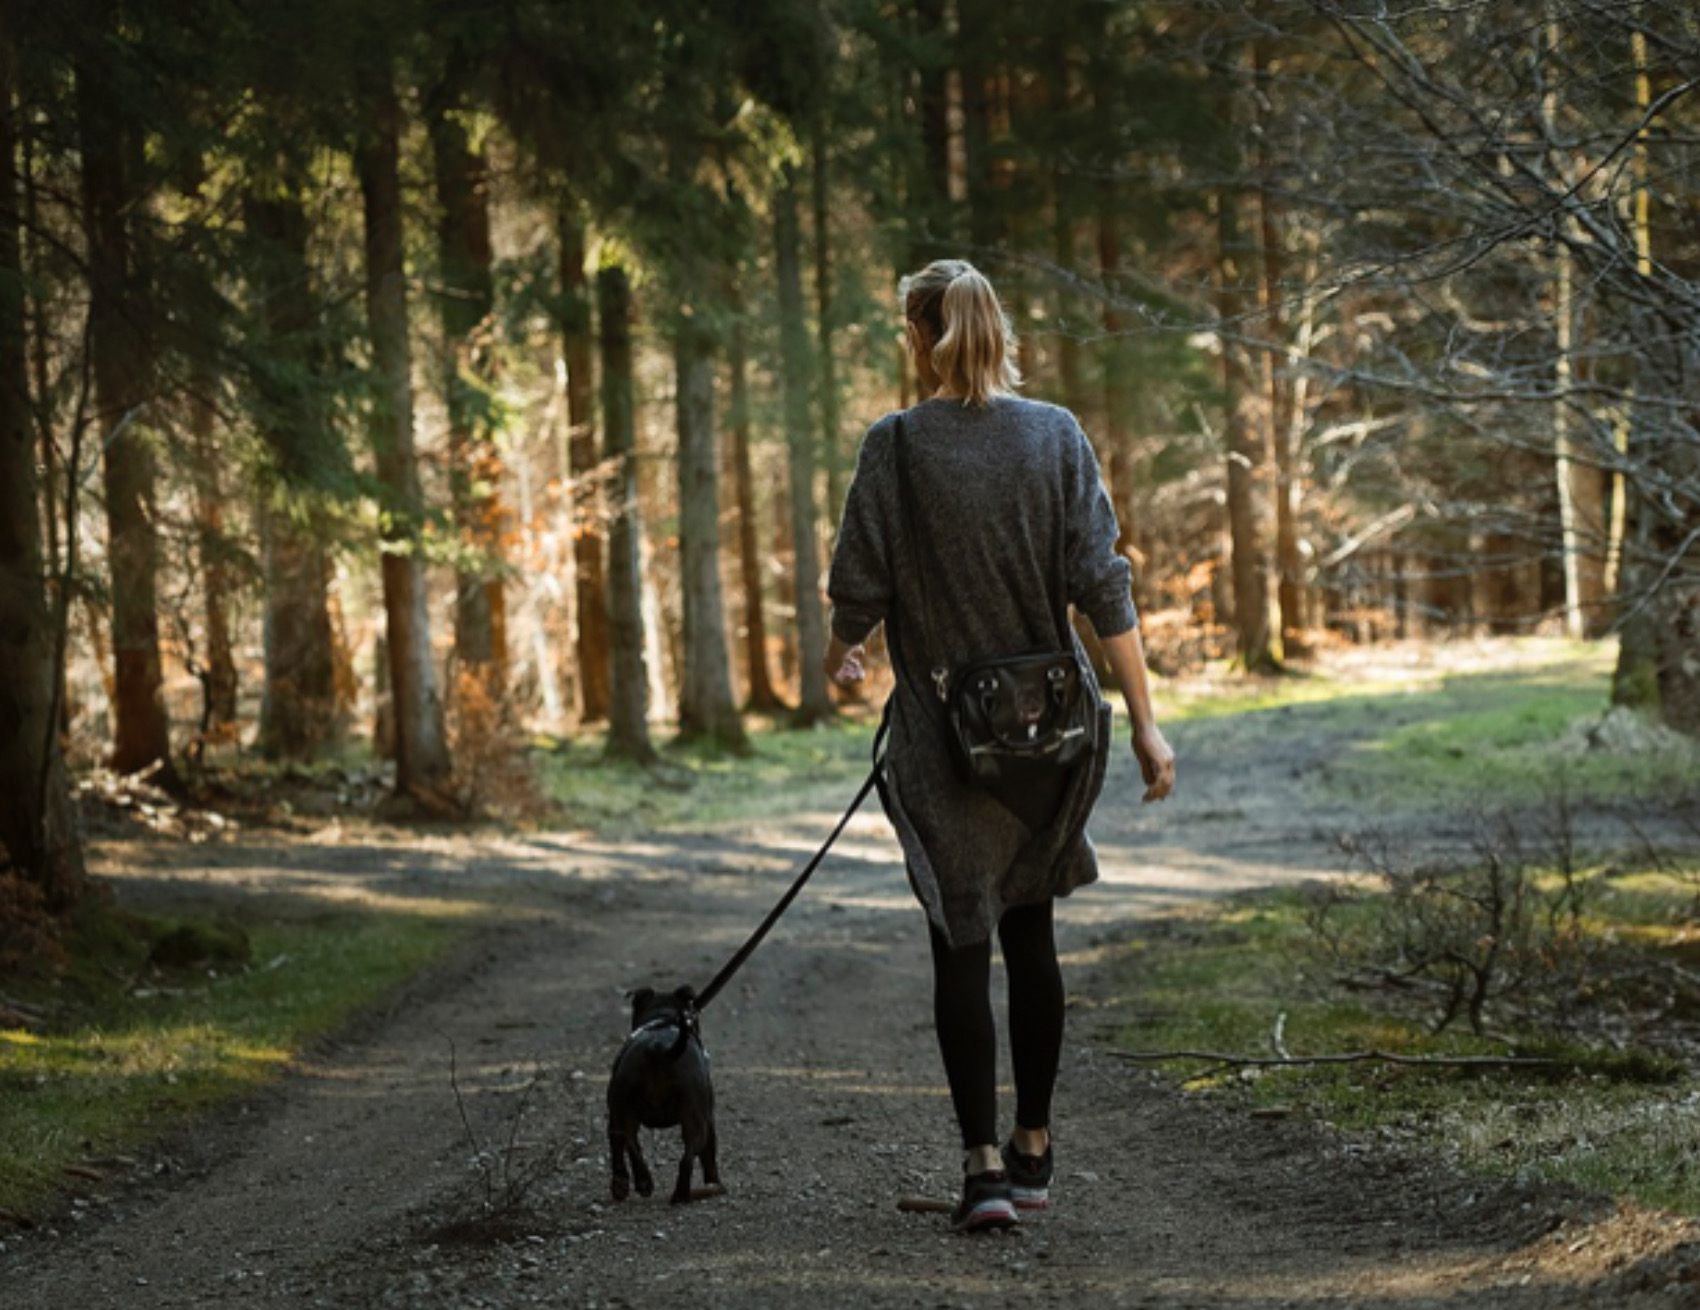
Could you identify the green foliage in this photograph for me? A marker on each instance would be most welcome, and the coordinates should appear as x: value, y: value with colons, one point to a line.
x: 136, y: 1043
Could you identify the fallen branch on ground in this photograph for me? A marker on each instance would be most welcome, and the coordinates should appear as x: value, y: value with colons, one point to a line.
x: 1350, y: 1057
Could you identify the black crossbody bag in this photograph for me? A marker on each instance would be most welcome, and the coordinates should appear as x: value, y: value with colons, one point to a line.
x: 1010, y: 711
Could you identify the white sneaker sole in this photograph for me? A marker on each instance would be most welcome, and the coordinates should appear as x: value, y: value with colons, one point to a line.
x: 1031, y: 1198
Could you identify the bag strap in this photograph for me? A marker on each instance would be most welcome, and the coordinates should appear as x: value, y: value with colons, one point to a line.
x: 905, y: 499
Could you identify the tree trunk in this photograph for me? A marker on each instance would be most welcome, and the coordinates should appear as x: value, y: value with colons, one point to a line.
x: 421, y: 751
x: 218, y: 676
x: 589, y: 496
x: 300, y: 711
x: 122, y: 365
x: 929, y: 208
x: 1069, y: 379
x: 763, y: 698
x: 38, y: 830
x: 1283, y: 425
x: 1244, y: 395
x: 1116, y: 440
x: 814, y: 701
x: 706, y: 709
x: 976, y: 30
x: 41, y: 348
x: 1635, y: 680
x: 464, y: 308
x: 831, y: 441
x: 628, y: 709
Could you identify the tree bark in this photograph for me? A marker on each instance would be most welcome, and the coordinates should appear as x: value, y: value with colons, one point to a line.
x: 38, y: 830
x: 300, y: 711
x: 595, y: 659
x: 218, y: 676
x: 299, y: 714
x: 122, y: 365
x: 763, y: 698
x: 628, y: 709
x: 464, y: 308
x: 930, y: 226
x: 1283, y: 427
x: 976, y: 30
x: 421, y: 751
x: 706, y: 708
x: 1116, y: 440
x: 814, y: 701
x: 831, y: 441
x: 1244, y: 395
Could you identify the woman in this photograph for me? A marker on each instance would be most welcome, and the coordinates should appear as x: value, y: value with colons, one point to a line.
x: 1009, y: 512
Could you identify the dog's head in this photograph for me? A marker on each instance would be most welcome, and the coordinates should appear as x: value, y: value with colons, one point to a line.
x: 649, y: 1005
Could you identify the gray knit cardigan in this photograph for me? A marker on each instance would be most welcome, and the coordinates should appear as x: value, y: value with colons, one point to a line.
x: 1009, y: 507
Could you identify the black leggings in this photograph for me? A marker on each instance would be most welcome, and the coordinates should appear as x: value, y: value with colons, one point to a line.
x: 962, y: 1012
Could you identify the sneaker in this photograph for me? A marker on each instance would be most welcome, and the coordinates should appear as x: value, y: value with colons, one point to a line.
x: 985, y: 1205
x: 1029, y: 1177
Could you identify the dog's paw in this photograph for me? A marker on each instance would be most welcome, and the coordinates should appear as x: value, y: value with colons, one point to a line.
x: 644, y: 1183
x: 621, y: 1188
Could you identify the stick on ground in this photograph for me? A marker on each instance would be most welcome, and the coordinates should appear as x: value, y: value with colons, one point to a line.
x: 1351, y: 1057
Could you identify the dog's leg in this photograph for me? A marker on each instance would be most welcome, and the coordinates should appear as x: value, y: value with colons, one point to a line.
x: 710, y: 1158
x: 620, y: 1184
x: 682, y: 1188
x: 640, y: 1170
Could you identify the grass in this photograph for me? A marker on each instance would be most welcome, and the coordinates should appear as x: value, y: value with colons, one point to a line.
x: 785, y: 771
x: 1220, y: 979
x: 1440, y: 731
x: 115, y: 1067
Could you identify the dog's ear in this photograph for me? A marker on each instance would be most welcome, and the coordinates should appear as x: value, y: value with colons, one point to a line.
x: 640, y: 998
x: 685, y: 996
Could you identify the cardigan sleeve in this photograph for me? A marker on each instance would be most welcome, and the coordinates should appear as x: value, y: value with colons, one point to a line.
x: 860, y: 583
x: 1100, y: 580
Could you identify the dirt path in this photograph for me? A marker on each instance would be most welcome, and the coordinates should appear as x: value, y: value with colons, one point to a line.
x: 342, y: 1187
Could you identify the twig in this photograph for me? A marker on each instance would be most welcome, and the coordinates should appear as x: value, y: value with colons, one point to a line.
x: 1278, y: 1038
x: 1352, y: 1057
x: 471, y: 1135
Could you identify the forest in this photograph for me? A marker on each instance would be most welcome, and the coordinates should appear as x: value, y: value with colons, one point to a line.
x: 430, y: 376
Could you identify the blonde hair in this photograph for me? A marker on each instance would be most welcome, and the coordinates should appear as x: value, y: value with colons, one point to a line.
x: 973, y: 344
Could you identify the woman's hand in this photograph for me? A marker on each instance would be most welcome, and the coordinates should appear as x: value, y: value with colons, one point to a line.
x: 1156, y: 761
x: 844, y: 663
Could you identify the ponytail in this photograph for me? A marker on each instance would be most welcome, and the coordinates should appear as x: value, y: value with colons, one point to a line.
x: 973, y: 345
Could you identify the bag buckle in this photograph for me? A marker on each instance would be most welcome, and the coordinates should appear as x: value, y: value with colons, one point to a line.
x: 941, y: 683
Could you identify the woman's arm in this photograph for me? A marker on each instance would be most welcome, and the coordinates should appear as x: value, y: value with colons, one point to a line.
x: 1126, y: 653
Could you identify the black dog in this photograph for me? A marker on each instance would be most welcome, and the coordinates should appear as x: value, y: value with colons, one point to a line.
x: 661, y: 1080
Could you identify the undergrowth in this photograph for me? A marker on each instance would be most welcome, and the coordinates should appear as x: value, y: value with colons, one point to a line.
x: 153, y: 1021
x: 1612, y: 1105
x: 786, y: 771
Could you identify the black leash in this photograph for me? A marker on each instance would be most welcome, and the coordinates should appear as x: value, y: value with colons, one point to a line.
x: 748, y: 948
